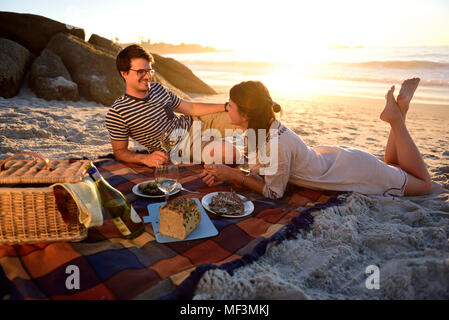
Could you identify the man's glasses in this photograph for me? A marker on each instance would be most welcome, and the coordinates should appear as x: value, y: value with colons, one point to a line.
x: 142, y: 72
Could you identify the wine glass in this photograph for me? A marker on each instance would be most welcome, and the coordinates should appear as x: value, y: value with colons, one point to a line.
x: 167, y: 143
x: 167, y: 178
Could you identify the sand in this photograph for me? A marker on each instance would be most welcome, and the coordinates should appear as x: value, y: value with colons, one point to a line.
x: 406, y: 238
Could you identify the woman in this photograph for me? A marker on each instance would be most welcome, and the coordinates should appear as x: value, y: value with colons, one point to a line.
x: 403, y: 171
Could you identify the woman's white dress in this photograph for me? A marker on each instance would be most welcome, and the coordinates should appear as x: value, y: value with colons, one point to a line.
x: 338, y: 168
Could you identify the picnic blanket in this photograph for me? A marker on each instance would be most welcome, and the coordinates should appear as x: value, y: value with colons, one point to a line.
x: 111, y: 267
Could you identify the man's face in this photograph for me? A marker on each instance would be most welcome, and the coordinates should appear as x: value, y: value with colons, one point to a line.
x: 134, y: 80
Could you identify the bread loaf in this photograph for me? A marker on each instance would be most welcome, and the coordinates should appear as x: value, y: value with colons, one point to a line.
x: 179, y: 217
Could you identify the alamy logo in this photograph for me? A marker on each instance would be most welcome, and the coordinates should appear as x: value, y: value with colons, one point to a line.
x: 373, y: 280
x: 73, y: 280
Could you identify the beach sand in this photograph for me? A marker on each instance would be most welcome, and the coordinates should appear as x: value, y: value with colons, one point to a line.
x: 407, y: 238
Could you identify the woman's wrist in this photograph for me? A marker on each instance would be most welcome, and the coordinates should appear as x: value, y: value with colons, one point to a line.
x: 241, y: 178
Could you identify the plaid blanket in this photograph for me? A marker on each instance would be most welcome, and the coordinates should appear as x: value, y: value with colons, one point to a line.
x: 111, y: 267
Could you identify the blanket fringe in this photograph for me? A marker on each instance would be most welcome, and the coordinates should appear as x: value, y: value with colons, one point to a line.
x: 186, y: 290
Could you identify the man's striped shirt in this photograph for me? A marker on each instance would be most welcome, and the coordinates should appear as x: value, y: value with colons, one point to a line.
x: 145, y: 120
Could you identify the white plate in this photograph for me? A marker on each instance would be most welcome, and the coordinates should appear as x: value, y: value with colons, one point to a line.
x: 205, y: 229
x: 136, y: 190
x: 248, y: 206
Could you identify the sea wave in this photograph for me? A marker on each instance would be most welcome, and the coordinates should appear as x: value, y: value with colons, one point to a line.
x: 229, y: 63
x: 424, y: 81
x: 395, y: 64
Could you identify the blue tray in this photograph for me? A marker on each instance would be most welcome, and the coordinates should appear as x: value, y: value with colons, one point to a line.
x: 204, y: 230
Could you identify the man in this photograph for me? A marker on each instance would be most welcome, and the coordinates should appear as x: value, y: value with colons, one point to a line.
x: 146, y: 111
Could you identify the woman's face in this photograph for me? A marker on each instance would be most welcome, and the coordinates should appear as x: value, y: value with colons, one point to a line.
x: 235, y: 116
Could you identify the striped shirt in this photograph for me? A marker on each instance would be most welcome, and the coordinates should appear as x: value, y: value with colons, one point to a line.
x: 145, y: 120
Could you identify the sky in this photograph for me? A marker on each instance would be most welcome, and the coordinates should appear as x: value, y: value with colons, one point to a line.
x: 253, y: 24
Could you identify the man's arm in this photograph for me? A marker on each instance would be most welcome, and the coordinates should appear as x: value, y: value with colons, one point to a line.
x: 199, y: 108
x: 122, y: 153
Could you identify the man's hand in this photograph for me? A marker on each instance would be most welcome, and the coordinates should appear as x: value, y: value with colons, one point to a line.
x: 154, y: 159
x: 122, y: 153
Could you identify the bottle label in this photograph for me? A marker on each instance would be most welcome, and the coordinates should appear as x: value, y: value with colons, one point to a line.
x: 94, y: 174
x: 134, y: 216
x: 121, y: 226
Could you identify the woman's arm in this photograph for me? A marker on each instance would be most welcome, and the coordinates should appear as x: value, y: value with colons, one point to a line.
x: 221, y: 172
x: 271, y: 185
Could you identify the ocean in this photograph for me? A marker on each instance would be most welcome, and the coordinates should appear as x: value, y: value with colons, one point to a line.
x: 366, y: 72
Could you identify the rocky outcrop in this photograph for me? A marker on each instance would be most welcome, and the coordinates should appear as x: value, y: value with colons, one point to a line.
x: 93, y: 70
x: 104, y: 44
x: 159, y: 78
x: 14, y: 60
x: 33, y: 31
x: 180, y: 76
x: 58, y: 88
x: 172, y: 73
x: 70, y: 67
x: 50, y: 80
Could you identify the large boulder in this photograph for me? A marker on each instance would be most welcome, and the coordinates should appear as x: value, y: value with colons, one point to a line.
x: 50, y: 80
x: 159, y: 78
x: 14, y: 60
x: 58, y: 88
x: 33, y: 31
x: 93, y: 70
x: 180, y: 76
x: 104, y: 44
x: 109, y: 47
x: 171, y: 73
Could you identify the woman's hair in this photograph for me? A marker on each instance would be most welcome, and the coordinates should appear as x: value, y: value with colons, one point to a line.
x: 254, y: 101
x: 123, y: 61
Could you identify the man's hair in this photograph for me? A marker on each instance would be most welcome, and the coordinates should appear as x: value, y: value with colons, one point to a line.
x: 123, y: 61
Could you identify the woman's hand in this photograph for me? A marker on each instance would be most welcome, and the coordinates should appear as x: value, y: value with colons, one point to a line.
x: 208, y: 178
x: 216, y: 172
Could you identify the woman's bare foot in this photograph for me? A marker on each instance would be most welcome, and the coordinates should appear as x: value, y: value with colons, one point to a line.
x: 405, y: 95
x: 391, y: 112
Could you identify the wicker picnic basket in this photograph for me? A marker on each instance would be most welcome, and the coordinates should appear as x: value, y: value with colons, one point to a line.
x: 29, y: 210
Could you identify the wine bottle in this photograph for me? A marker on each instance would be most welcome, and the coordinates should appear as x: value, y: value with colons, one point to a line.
x: 116, y: 206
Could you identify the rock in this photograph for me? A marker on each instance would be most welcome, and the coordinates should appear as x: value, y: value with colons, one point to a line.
x: 180, y: 76
x: 33, y: 31
x: 105, y: 44
x: 50, y: 80
x: 169, y: 72
x: 14, y: 60
x: 57, y: 88
x: 158, y: 77
x: 93, y: 70
x: 168, y: 85
x: 49, y: 65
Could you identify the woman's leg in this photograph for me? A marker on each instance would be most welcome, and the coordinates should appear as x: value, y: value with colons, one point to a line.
x: 408, y: 157
x: 408, y: 88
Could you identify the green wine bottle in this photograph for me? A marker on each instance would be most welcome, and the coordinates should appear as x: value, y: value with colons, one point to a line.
x: 116, y: 206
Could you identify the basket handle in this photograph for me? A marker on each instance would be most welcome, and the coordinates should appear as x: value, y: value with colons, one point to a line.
x: 45, y: 160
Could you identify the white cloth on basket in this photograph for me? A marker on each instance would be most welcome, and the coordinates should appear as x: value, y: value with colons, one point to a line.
x: 85, y: 195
